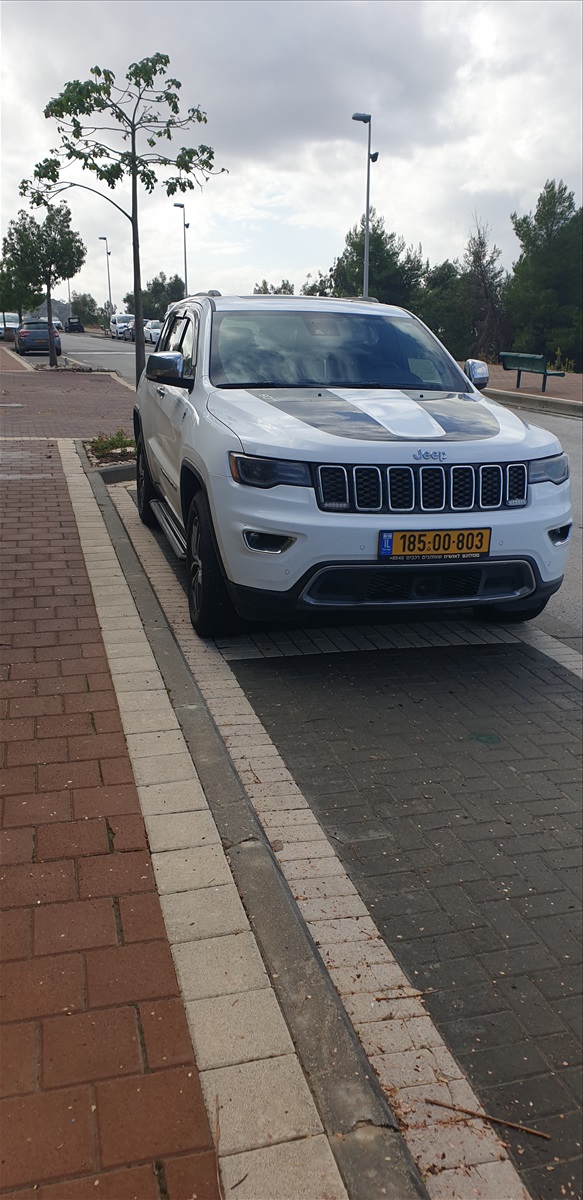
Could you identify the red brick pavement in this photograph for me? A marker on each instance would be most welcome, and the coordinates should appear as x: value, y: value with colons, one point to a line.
x: 10, y: 361
x: 101, y: 1095
x: 63, y: 404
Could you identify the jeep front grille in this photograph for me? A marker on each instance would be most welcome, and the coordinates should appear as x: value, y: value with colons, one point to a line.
x: 423, y: 489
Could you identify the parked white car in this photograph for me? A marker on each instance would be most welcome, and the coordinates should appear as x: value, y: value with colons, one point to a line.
x: 119, y: 323
x: 311, y: 454
x: 152, y: 331
x: 9, y: 323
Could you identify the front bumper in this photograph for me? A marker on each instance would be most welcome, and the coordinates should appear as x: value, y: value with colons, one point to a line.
x: 320, y: 541
x: 378, y: 587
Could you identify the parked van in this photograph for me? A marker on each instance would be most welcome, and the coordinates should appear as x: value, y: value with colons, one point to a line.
x: 119, y: 323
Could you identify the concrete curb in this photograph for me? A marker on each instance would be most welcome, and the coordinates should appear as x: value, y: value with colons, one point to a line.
x: 538, y: 402
x: 356, y: 1117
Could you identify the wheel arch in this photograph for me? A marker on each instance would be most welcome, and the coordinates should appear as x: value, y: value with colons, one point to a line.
x: 191, y: 482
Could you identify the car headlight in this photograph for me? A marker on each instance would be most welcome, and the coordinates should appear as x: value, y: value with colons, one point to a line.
x: 549, y: 470
x: 268, y: 472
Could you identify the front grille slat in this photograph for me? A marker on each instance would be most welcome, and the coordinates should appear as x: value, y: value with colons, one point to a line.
x: 401, y: 483
x: 432, y: 489
x: 516, y: 484
x: 491, y: 487
x: 462, y: 487
x: 368, y: 489
x: 333, y: 482
x: 423, y: 489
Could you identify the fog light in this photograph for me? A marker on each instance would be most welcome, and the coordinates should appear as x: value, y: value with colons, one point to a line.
x: 561, y: 535
x: 267, y: 543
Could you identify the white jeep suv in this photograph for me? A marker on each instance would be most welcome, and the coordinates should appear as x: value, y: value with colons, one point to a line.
x: 307, y: 454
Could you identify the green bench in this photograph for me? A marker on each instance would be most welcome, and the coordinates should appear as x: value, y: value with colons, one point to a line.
x: 535, y: 363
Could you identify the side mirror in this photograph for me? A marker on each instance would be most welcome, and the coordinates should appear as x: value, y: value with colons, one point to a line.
x: 168, y: 368
x: 477, y: 371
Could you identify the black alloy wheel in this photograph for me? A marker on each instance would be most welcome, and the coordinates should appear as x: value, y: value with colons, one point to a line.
x: 146, y: 489
x: 209, y: 603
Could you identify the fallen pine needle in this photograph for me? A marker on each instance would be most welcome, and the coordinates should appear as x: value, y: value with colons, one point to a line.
x: 469, y: 1112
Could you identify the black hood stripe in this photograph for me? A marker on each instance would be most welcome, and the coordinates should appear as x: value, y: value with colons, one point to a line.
x: 460, y: 417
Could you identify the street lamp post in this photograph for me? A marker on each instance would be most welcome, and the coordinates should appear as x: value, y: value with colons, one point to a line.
x: 184, y: 228
x: 107, y: 254
x: 366, y: 120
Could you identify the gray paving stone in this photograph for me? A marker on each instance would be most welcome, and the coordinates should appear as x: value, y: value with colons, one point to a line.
x: 299, y: 1170
x: 278, y: 1103
x: 219, y: 966
x: 180, y: 796
x: 205, y: 912
x: 176, y: 831
x: 183, y: 870
x: 237, y: 1028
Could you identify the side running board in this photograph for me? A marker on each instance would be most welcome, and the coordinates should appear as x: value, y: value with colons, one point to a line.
x: 169, y: 525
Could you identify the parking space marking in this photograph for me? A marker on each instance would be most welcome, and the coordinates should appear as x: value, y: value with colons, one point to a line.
x: 406, y: 1050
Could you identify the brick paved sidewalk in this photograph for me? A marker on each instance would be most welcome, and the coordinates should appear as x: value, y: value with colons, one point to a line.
x: 101, y: 1093
x: 9, y: 361
x: 568, y: 388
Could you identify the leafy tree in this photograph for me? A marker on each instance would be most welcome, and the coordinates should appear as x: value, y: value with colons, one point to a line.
x: 318, y: 285
x: 443, y: 305
x: 483, y: 281
x: 16, y: 294
x: 44, y: 255
x: 85, y: 307
x: 138, y: 114
x: 395, y: 270
x: 158, y: 294
x: 544, y: 293
x: 269, y: 289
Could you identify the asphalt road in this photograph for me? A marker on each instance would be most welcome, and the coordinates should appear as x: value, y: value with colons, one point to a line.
x: 94, y: 351
x: 563, y: 616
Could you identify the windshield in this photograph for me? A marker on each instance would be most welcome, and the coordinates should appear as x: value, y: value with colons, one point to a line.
x: 319, y: 349
x: 35, y: 324
x: 10, y: 318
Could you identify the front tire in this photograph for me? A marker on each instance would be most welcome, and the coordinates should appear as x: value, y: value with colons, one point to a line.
x: 209, y: 603
x: 146, y: 489
x: 510, y: 614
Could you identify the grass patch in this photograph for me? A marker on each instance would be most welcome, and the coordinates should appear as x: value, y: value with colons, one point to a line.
x: 115, y: 445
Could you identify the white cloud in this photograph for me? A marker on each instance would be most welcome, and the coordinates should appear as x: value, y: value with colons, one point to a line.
x: 475, y: 104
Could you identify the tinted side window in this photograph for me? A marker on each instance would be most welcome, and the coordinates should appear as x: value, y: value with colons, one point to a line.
x: 172, y: 334
x: 188, y: 345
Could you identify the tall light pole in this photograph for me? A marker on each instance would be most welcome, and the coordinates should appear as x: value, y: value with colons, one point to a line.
x: 366, y: 120
x: 184, y: 228
x: 107, y: 254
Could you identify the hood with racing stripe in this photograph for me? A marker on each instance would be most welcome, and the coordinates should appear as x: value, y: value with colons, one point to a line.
x: 342, y: 424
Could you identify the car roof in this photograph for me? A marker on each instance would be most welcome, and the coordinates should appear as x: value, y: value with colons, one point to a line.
x: 272, y: 303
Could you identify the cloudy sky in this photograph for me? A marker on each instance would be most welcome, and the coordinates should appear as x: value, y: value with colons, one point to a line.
x: 475, y: 103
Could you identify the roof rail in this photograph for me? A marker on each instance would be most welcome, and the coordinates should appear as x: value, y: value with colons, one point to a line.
x: 286, y: 296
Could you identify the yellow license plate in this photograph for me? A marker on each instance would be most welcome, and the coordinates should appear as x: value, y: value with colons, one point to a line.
x: 446, y: 544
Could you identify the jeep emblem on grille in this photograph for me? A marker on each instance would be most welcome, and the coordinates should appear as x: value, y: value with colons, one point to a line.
x: 435, y: 455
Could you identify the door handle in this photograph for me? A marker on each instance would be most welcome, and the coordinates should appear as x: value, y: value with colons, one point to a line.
x: 161, y: 391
